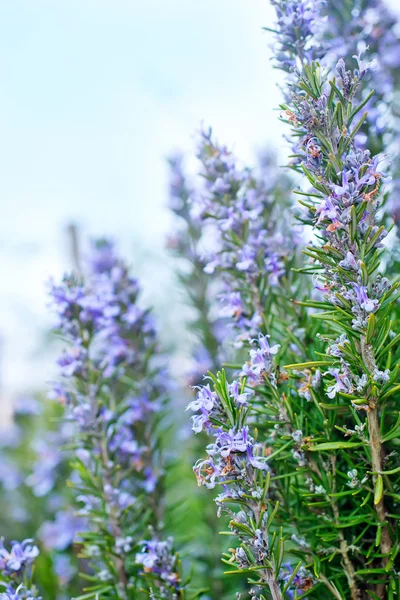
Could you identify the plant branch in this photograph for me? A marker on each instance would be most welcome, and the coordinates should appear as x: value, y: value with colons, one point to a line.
x: 377, y: 456
x: 274, y: 589
x: 348, y: 565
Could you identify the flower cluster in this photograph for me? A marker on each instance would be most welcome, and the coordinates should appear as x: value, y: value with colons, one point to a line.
x: 16, y: 570
x: 105, y: 308
x: 370, y: 27
x: 158, y: 558
x: 299, y: 26
x: 238, y: 463
x: 254, y: 245
x: 19, y: 558
x: 112, y: 387
x: 260, y: 366
x: 330, y: 31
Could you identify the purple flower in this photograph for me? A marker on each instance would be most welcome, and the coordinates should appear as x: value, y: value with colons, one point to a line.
x: 232, y: 304
x: 65, y: 302
x: 112, y: 355
x: 205, y: 402
x: 362, y: 297
x: 158, y: 557
x: 20, y: 593
x: 139, y: 408
x: 63, y: 568
x: 246, y: 259
x: 20, y: 556
x: 207, y: 472
x: 342, y: 383
x: 298, y: 22
x: 205, y: 399
x: 10, y: 477
x: 230, y: 441
x: 72, y: 362
x: 133, y: 315
x: 349, y: 262
x: 220, y: 186
x: 327, y: 210
x: 241, y: 210
x: 300, y: 580
x: 261, y: 363
x: 265, y: 348
x: 49, y: 455
x: 150, y: 480
x: 211, y: 266
x: 102, y: 257
x: 363, y: 66
x: 241, y: 398
x: 275, y: 268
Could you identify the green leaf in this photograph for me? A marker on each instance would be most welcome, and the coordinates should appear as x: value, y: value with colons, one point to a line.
x: 199, y: 593
x: 338, y: 116
x: 360, y: 107
x: 94, y: 593
x: 378, y: 489
x: 364, y: 273
x: 371, y: 327
x: 308, y: 365
x: 335, y: 446
x: 337, y: 91
x: 293, y: 575
x: 353, y: 223
x: 390, y: 392
x: 369, y: 571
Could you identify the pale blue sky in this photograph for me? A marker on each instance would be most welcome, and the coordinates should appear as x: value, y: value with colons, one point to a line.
x: 94, y: 95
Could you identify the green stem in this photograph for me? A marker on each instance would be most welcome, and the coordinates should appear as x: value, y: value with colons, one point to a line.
x: 377, y: 456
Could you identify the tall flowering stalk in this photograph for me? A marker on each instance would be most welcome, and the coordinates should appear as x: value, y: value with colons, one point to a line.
x: 254, y: 244
x: 114, y: 390
x: 327, y: 31
x: 359, y: 304
x: 237, y: 462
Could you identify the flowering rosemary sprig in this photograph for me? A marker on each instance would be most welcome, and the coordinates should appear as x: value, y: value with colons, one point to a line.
x: 298, y: 33
x: 328, y: 31
x: 254, y: 236
x: 114, y: 390
x: 359, y: 303
x: 237, y: 462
